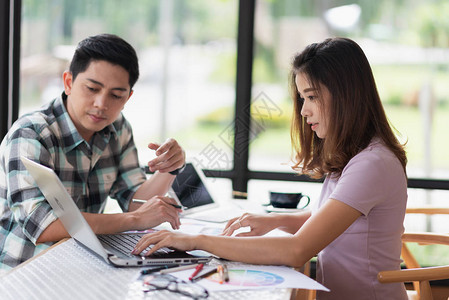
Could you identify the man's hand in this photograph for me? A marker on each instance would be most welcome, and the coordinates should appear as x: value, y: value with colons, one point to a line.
x: 170, y: 156
x: 156, y: 211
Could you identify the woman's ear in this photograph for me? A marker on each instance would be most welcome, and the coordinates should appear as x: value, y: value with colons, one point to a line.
x: 67, y: 79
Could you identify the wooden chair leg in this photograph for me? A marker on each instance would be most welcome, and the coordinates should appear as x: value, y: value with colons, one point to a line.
x: 425, y: 292
x: 300, y: 294
x: 410, y: 262
x: 312, y: 295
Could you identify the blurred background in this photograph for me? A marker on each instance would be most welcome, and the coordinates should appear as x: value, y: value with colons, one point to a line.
x: 188, y: 51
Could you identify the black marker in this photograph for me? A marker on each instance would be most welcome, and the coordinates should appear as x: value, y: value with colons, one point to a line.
x: 156, y: 269
x: 204, y: 275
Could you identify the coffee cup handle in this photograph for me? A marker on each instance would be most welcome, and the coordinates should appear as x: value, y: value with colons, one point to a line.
x: 305, y: 205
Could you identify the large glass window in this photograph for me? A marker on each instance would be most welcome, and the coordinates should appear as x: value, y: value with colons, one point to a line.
x: 407, y: 45
x: 187, y: 52
x: 187, y: 55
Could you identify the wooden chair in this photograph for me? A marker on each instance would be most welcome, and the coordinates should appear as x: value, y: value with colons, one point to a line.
x: 414, y: 272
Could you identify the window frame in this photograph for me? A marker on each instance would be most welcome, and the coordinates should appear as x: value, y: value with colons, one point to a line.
x: 10, y: 27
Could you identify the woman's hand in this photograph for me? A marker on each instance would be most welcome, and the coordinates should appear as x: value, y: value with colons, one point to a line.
x: 258, y: 224
x: 165, y: 238
x: 155, y: 211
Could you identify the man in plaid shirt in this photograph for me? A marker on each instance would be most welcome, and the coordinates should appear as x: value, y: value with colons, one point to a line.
x: 85, y: 139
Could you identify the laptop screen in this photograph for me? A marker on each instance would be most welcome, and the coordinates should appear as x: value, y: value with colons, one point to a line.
x: 190, y: 189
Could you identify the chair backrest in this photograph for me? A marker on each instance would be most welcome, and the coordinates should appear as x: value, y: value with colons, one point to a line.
x: 420, y: 277
x: 428, y: 210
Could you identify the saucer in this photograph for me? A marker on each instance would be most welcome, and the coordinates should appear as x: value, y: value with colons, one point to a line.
x: 271, y: 208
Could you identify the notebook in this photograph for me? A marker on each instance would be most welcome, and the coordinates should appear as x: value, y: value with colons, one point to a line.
x: 114, y: 249
x: 190, y: 190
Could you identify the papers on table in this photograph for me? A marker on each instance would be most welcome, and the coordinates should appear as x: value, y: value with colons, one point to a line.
x: 244, y: 276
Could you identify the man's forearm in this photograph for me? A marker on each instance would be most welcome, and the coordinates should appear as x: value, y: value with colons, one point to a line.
x: 100, y: 224
x: 157, y: 185
x: 110, y: 223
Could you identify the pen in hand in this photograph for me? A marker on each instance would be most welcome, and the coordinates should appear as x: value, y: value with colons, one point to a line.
x: 144, y: 201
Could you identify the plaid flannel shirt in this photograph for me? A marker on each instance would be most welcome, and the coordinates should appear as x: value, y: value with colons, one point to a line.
x: 90, y: 172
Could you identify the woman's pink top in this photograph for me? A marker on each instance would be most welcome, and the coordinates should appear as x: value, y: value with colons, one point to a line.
x: 374, y: 183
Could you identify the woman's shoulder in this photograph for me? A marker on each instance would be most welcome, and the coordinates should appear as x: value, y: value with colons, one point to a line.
x: 373, y: 176
x: 376, y: 151
x: 377, y: 159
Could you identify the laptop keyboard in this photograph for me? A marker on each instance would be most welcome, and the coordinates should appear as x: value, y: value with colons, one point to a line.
x: 124, y: 243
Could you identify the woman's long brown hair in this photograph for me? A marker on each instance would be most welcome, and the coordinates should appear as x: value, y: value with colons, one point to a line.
x: 355, y: 112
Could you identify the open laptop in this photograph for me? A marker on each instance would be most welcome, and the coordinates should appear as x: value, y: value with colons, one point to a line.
x: 191, y: 191
x: 114, y: 249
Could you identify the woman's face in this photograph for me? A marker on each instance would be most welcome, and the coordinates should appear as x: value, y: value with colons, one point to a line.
x: 312, y: 104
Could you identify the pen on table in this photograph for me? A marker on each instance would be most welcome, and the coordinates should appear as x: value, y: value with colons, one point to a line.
x: 226, y: 273
x: 144, y: 201
x: 220, y: 273
x: 155, y: 269
x: 180, y: 268
x: 204, y: 275
x: 197, y: 270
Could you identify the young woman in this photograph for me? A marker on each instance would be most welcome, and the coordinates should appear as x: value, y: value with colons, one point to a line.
x: 339, y: 130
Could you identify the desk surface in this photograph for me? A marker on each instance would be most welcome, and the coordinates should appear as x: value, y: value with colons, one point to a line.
x: 70, y: 271
x: 67, y: 270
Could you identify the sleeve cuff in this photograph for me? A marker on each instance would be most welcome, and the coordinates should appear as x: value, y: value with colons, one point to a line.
x: 43, y: 224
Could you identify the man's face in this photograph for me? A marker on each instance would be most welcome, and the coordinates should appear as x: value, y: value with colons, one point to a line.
x: 96, y: 97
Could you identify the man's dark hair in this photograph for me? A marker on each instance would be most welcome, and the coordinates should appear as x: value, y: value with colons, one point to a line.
x: 107, y: 47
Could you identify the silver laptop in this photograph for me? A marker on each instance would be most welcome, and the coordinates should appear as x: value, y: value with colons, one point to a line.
x: 190, y: 191
x: 114, y: 249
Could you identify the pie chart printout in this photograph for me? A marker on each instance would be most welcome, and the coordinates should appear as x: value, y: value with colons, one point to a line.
x: 251, y: 278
